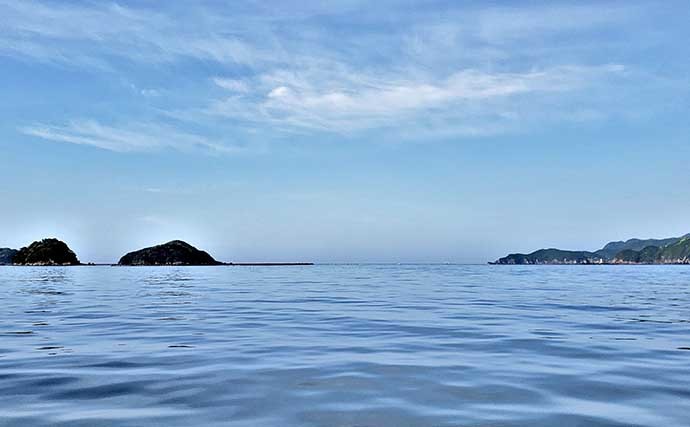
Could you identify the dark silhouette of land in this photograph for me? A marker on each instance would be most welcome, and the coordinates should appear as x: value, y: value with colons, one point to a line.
x: 673, y: 250
x: 53, y: 252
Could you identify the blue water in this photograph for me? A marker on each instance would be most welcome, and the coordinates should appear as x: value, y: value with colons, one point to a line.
x: 355, y: 345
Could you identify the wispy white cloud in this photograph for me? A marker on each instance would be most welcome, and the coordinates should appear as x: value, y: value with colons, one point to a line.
x: 351, y: 101
x: 251, y: 34
x: 150, y: 92
x: 475, y: 72
x: 507, y: 24
x: 141, y: 137
x: 232, y: 85
x: 90, y: 33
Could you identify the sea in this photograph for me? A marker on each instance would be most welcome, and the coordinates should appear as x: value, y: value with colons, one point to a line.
x: 345, y: 345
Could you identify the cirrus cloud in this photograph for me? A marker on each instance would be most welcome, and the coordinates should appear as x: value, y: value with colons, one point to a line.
x: 351, y: 101
x: 246, y: 68
x: 139, y: 137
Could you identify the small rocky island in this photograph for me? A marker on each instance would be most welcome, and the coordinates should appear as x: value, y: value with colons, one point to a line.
x: 46, y: 252
x: 176, y: 252
x: 673, y: 250
x: 53, y: 252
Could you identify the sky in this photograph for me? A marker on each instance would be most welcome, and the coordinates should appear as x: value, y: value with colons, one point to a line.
x: 343, y: 131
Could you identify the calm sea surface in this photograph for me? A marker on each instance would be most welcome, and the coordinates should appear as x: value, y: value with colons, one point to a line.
x: 355, y: 345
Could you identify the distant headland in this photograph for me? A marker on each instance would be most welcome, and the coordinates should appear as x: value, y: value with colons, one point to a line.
x: 673, y: 250
x: 53, y: 252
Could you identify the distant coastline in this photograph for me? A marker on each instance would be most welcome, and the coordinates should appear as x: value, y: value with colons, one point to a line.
x: 53, y: 252
x: 672, y: 250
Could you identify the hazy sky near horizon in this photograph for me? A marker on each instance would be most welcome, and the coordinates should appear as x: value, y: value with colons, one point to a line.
x: 343, y: 131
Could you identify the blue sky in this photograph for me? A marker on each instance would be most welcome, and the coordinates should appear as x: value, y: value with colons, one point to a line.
x: 343, y: 131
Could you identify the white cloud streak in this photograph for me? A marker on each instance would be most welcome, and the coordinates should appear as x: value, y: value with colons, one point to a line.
x: 350, y: 101
x: 507, y: 24
x: 231, y: 85
x: 86, y: 34
x: 142, y: 137
x: 474, y: 73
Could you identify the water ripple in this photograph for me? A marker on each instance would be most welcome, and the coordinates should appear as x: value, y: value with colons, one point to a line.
x: 355, y: 345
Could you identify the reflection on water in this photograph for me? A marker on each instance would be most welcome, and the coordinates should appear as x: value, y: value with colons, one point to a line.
x: 351, y: 345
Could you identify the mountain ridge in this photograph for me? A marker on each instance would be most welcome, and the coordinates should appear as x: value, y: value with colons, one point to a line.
x: 671, y: 250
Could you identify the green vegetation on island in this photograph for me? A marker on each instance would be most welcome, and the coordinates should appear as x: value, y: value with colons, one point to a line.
x: 53, y: 252
x: 49, y: 252
x: 176, y: 252
x: 674, y: 250
x: 614, y: 248
x: 549, y: 256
